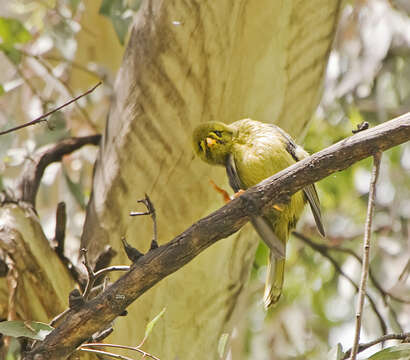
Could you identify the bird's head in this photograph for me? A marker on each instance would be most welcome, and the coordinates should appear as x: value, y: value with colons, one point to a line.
x: 212, y: 142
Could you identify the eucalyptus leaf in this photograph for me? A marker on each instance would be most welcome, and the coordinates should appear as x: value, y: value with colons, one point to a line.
x: 398, y: 352
x: 31, y: 329
x: 223, y: 340
x: 152, y: 323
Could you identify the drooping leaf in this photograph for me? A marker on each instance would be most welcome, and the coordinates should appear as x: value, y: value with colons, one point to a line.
x: 152, y: 323
x: 223, y: 340
x: 398, y: 352
x: 31, y: 329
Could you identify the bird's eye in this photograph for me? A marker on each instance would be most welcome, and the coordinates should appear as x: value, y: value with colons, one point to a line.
x: 218, y: 133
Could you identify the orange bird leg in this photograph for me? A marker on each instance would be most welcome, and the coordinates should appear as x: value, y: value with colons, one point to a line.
x: 224, y: 193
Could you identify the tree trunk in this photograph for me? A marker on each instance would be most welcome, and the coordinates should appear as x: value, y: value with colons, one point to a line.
x: 189, y: 62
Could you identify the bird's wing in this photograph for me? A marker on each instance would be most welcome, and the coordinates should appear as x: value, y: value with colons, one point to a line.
x: 262, y: 226
x: 310, y: 190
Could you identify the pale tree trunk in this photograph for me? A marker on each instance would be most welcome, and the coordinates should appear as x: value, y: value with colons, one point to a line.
x: 189, y: 62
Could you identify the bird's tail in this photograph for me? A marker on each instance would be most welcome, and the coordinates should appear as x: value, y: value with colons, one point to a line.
x: 274, y: 280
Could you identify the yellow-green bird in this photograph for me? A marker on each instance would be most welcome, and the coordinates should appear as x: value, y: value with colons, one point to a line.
x: 251, y: 151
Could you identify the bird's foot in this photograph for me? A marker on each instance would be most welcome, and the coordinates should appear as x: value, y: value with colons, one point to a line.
x: 239, y: 193
x: 278, y: 207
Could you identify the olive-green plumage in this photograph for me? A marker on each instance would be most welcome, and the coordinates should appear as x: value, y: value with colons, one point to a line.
x: 251, y: 151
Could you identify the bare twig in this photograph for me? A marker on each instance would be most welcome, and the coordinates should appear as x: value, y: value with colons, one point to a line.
x: 110, y: 269
x: 69, y: 91
x: 93, y: 276
x: 151, y: 211
x: 90, y: 272
x: 33, y: 171
x: 133, y: 348
x: 99, y: 312
x: 323, y: 250
x: 405, y: 337
x: 366, y: 252
x: 59, y: 237
x: 106, y: 353
x: 384, y: 293
x: 103, y: 334
x: 44, y: 116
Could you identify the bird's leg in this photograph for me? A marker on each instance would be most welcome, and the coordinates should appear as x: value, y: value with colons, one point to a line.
x: 224, y: 193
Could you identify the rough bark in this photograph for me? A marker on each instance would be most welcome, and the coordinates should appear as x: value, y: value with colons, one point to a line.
x: 189, y: 62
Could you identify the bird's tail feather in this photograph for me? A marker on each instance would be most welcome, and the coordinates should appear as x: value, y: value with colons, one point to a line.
x: 274, y: 280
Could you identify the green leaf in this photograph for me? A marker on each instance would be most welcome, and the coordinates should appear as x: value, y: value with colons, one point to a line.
x: 1, y: 90
x: 398, y: 352
x: 31, y: 329
x: 223, y: 340
x: 116, y: 11
x: 11, y: 52
x: 336, y: 353
x: 151, y: 324
x: 14, y: 350
x: 13, y: 31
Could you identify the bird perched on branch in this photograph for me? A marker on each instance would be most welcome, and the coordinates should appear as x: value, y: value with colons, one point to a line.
x: 251, y: 151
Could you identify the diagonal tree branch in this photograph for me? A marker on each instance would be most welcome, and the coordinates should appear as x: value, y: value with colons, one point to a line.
x: 98, y: 313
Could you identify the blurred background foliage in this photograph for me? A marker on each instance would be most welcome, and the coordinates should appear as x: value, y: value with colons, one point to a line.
x: 51, y: 51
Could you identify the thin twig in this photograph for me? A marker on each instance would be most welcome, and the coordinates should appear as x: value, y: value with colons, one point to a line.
x: 366, y: 252
x: 151, y: 211
x: 111, y: 268
x: 106, y: 353
x: 133, y: 348
x: 69, y: 91
x: 93, y: 276
x: 42, y: 118
x: 103, y: 334
x: 323, y: 250
x: 90, y: 272
x: 405, y: 337
x: 384, y: 293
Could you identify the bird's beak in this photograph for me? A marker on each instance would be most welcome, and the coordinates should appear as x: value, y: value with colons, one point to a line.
x: 210, y: 142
